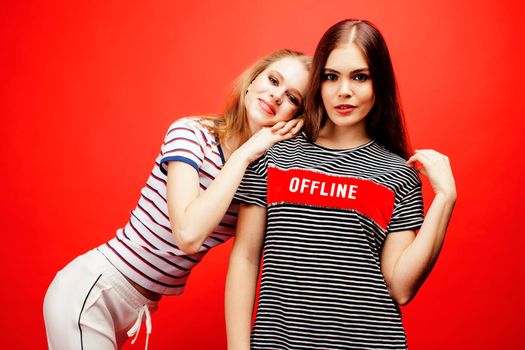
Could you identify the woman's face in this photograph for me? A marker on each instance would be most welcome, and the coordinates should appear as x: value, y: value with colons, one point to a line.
x: 346, y: 89
x: 276, y: 94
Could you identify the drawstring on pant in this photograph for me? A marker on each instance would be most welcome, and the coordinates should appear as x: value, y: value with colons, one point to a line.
x: 135, y: 329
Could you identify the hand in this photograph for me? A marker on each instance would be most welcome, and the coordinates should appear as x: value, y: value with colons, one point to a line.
x: 436, y: 167
x: 292, y: 126
x: 266, y: 137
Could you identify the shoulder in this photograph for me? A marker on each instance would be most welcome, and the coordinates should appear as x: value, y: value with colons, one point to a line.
x: 196, y: 125
x: 288, y: 146
x: 396, y: 165
x: 189, y: 122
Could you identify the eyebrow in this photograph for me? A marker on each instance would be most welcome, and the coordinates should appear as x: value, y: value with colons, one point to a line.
x: 291, y: 89
x: 359, y: 70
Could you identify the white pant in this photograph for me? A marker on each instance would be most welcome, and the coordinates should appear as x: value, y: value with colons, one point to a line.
x: 90, y: 306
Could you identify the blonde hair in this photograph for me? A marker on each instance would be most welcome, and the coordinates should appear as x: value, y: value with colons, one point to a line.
x: 234, y: 120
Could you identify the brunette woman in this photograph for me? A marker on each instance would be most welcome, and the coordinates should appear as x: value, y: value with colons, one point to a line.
x: 338, y: 207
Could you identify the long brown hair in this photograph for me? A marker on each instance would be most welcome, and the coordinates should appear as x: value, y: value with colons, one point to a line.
x: 234, y: 120
x: 385, y: 122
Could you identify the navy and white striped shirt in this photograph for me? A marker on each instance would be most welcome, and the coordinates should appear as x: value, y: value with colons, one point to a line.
x: 329, y: 212
x: 145, y: 250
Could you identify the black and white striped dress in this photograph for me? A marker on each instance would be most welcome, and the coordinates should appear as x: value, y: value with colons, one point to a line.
x: 329, y: 212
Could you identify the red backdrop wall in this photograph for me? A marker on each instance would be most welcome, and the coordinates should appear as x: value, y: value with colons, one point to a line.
x: 88, y: 89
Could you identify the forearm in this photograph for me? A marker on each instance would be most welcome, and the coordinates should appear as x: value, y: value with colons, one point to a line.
x: 417, y: 260
x: 241, y: 284
x: 189, y: 227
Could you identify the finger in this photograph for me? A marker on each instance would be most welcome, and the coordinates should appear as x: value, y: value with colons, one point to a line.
x: 415, y: 163
x: 412, y: 160
x: 278, y: 126
x: 431, y: 153
x: 287, y: 127
x: 288, y: 136
x: 434, y: 152
x: 298, y: 127
x: 423, y: 171
x: 278, y: 138
x: 440, y: 156
x: 424, y: 156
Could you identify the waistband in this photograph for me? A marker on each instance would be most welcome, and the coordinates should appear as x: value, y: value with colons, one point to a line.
x: 120, y: 284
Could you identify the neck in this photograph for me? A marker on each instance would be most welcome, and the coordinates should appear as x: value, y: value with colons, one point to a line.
x: 338, y: 137
x: 229, y: 145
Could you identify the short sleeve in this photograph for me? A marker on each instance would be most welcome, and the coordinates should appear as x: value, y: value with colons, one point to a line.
x: 408, y: 210
x: 184, y: 142
x: 252, y: 189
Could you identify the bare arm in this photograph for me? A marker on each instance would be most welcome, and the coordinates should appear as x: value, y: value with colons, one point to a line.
x: 407, y: 258
x: 187, y: 206
x: 243, y: 270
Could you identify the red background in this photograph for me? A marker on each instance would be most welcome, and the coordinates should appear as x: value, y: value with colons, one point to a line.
x: 87, y: 90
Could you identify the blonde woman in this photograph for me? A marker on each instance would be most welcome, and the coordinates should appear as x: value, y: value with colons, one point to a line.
x: 185, y: 209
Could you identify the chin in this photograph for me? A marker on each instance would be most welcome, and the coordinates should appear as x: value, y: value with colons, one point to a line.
x: 347, y: 120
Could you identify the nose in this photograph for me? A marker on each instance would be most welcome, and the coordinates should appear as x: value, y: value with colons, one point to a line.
x: 277, y: 96
x: 345, y: 89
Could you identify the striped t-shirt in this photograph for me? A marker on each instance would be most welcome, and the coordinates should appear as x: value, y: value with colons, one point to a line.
x: 145, y: 250
x: 329, y: 212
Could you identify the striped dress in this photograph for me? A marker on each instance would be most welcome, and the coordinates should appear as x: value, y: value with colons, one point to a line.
x: 144, y: 250
x: 329, y: 212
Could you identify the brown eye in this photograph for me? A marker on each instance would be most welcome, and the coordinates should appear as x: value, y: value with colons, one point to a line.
x: 294, y: 100
x: 273, y: 80
x: 361, y: 77
x: 329, y: 76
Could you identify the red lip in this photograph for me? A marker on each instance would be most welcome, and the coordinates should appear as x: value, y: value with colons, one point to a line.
x: 267, y: 107
x: 344, y: 109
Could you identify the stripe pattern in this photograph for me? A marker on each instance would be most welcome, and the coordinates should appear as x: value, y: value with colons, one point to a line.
x: 144, y: 250
x: 322, y: 286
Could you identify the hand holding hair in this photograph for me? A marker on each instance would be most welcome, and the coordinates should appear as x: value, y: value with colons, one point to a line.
x: 436, y: 167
